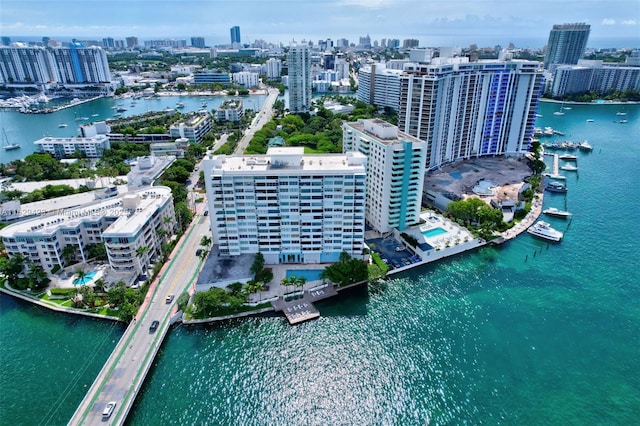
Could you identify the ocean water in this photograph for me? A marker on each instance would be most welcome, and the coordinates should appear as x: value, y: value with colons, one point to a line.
x: 524, y: 333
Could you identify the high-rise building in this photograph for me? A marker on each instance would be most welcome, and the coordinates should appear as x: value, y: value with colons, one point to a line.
x: 235, y: 35
x: 291, y: 207
x: 274, y: 68
x: 410, y: 43
x: 378, y: 85
x: 80, y: 65
x: 594, y: 76
x: 131, y: 42
x: 395, y: 172
x: 566, y: 44
x: 197, y: 42
x: 299, y: 64
x: 469, y: 109
x: 26, y: 65
x: 108, y: 43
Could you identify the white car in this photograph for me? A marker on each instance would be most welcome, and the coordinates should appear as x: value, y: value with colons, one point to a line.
x: 108, y: 410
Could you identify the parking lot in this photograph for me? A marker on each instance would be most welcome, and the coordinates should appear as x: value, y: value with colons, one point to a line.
x: 393, y: 253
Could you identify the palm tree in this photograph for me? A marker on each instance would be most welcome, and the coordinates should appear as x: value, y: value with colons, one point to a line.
x: 205, y: 241
x: 140, y: 252
x: 81, y: 275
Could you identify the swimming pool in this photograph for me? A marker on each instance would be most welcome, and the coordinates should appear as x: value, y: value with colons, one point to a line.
x: 87, y: 278
x: 434, y: 232
x: 307, y: 274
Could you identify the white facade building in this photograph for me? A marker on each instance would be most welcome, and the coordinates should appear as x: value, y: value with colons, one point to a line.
x: 246, y: 79
x: 80, y: 65
x: 91, y: 147
x: 273, y: 68
x: 291, y: 207
x: 341, y: 66
x: 125, y: 224
x: 470, y: 109
x: 395, y: 172
x: 379, y: 85
x: 232, y: 110
x: 26, y: 65
x: 194, y: 129
x: 299, y: 62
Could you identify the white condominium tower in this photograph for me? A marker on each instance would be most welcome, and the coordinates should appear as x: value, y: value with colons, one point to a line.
x: 66, y: 65
x: 299, y: 63
x: 379, y: 85
x: 291, y: 207
x: 26, y: 65
x: 81, y: 65
x: 395, y: 172
x: 470, y: 109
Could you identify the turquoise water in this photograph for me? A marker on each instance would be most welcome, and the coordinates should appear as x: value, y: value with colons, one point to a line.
x: 27, y: 128
x: 87, y: 278
x: 307, y: 274
x: 434, y: 232
x: 526, y: 333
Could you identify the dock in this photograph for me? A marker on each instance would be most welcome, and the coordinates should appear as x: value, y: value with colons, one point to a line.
x: 302, y: 309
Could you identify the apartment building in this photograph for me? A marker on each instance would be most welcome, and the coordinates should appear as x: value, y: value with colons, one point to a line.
x: 90, y: 147
x: 232, y: 110
x: 469, y: 109
x: 194, y: 129
x: 395, y: 172
x: 594, y: 76
x: 132, y: 227
x: 299, y: 63
x: 246, y: 79
x: 291, y: 207
x: 379, y: 85
x: 566, y: 44
x: 273, y: 68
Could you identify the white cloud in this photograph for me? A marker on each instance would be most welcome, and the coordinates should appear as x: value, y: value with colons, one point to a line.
x: 629, y: 22
x: 608, y: 21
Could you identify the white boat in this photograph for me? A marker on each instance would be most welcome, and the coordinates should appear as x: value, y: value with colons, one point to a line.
x: 552, y: 211
x: 567, y: 108
x: 590, y: 120
x: 568, y: 157
x: 555, y: 187
x: 558, y: 113
x: 539, y: 115
x: 61, y: 125
x: 168, y: 109
x: 623, y: 121
x: 6, y: 145
x: 180, y: 105
x: 543, y: 230
x: 95, y: 115
x: 585, y: 146
x: 569, y: 168
x: 621, y: 113
x: 552, y: 176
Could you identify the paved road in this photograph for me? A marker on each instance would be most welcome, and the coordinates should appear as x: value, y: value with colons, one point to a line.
x: 264, y: 116
x: 125, y: 370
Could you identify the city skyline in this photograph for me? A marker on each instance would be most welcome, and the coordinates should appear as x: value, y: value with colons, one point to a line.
x: 526, y: 24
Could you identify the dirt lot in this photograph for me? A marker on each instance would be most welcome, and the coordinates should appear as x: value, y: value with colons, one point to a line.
x: 507, y: 173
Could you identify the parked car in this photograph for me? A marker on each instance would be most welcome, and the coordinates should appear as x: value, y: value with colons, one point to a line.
x: 198, y: 252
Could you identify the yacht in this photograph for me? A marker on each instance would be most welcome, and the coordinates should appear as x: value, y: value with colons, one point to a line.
x: 552, y: 211
x: 95, y: 115
x: 543, y: 230
x: 555, y: 187
x: 585, y: 146
x: 569, y: 168
x: 180, y: 105
x: 621, y: 113
x: 568, y: 157
x: 590, y: 120
x: 61, y: 125
x: 623, y: 121
x: 121, y: 109
x: 6, y: 145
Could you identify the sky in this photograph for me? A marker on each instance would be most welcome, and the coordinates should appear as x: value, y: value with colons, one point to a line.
x: 614, y: 23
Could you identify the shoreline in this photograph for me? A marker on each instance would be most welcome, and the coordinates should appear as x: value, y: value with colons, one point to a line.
x: 553, y: 101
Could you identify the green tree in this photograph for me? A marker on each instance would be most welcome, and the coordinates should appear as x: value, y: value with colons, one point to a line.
x: 258, y: 264
x: 37, y: 277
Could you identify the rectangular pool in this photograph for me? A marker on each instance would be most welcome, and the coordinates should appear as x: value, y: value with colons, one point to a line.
x: 434, y: 232
x: 307, y: 274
